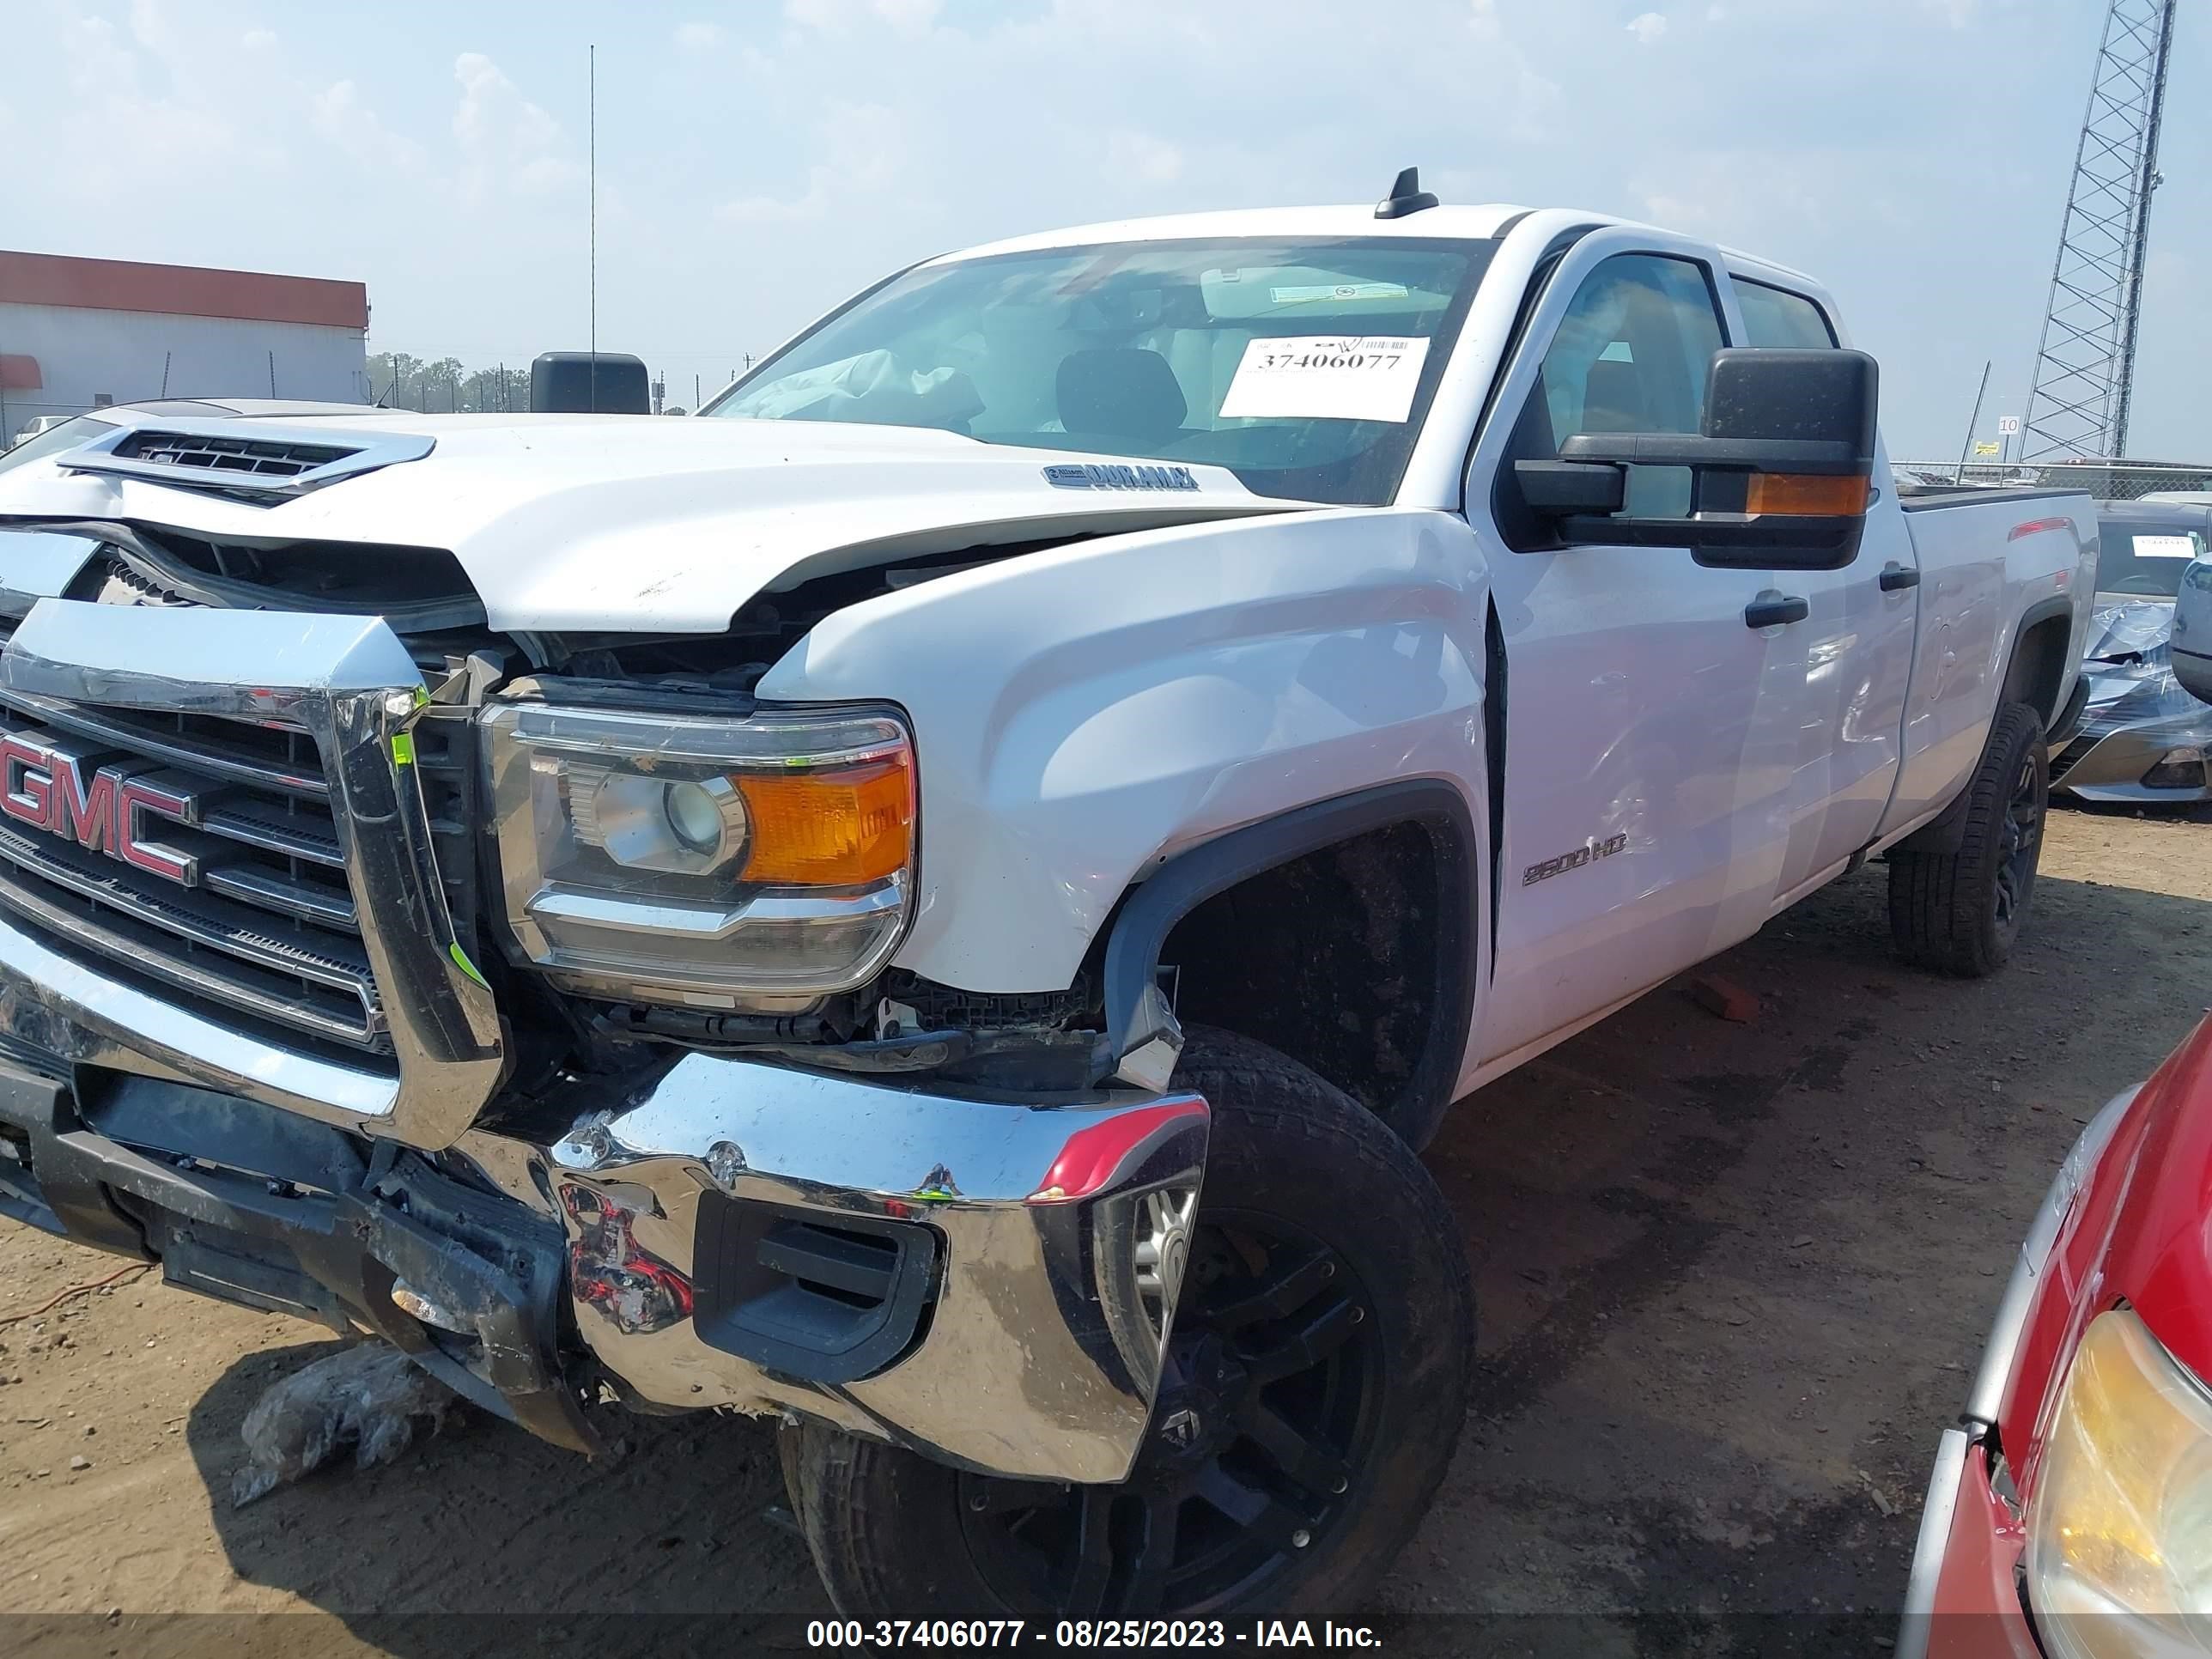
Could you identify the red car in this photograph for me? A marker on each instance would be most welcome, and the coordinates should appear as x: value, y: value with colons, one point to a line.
x: 2069, y: 1515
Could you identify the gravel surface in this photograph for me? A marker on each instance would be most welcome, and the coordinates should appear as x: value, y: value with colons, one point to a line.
x: 1734, y: 1278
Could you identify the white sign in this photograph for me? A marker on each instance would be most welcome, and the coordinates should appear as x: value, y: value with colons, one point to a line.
x: 2008, y: 425
x: 2166, y: 547
x: 1364, y: 377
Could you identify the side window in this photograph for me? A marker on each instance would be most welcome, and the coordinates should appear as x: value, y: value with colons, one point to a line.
x: 1774, y: 318
x: 1630, y: 355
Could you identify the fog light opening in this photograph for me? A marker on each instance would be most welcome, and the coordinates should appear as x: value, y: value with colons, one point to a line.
x: 2176, y: 769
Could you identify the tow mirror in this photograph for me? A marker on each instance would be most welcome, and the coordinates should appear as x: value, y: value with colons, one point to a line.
x: 1779, y: 472
x: 2192, y: 630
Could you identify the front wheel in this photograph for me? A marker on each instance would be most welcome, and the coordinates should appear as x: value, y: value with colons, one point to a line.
x: 1312, y: 1393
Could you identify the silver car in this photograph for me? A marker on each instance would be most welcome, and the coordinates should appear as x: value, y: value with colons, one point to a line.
x: 2143, y: 739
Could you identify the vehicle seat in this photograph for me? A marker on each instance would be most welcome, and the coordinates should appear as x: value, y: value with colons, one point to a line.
x: 1613, y: 398
x: 1120, y: 391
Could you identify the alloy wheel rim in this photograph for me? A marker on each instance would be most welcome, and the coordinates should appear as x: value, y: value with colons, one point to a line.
x: 1267, y: 1406
x: 2018, y: 840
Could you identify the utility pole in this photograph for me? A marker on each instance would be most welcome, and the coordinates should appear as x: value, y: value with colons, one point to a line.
x: 1972, y: 421
x: 2084, y: 377
x: 594, y: 150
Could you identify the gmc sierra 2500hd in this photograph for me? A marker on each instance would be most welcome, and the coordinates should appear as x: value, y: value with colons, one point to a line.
x: 940, y: 900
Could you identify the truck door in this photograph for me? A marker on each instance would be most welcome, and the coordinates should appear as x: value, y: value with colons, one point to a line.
x: 1651, y: 703
x: 1854, y: 647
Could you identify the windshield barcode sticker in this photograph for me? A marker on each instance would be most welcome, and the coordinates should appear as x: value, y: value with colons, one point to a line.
x: 1366, y: 377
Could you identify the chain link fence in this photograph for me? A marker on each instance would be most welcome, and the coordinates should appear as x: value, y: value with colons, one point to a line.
x: 2107, y: 481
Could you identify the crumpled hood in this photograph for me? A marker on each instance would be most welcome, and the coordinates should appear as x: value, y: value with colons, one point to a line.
x: 616, y: 523
x: 2122, y: 627
x: 2130, y: 668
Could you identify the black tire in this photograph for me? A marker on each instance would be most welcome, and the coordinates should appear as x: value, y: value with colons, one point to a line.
x: 1959, y: 912
x: 1295, y: 1159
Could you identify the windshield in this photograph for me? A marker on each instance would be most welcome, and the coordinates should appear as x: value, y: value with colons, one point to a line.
x: 1303, y: 367
x: 2146, y: 560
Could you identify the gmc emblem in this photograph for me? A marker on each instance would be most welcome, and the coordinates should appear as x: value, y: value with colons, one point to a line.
x: 45, y: 787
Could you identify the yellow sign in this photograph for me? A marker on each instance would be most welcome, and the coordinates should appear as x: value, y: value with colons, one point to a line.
x: 1988, y: 449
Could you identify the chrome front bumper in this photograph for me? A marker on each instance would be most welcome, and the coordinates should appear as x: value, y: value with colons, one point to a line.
x: 718, y: 1222
x: 1040, y: 1349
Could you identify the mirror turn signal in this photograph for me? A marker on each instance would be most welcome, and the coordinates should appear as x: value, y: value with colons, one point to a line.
x: 1806, y: 495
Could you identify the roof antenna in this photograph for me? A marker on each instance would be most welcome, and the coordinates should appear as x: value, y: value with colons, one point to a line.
x: 1406, y: 196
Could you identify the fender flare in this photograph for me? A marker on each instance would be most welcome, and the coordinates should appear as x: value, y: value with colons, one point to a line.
x: 2058, y: 606
x: 1947, y: 830
x: 1154, y: 907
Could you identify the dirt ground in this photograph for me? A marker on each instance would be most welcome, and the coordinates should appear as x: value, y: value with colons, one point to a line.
x: 1733, y: 1280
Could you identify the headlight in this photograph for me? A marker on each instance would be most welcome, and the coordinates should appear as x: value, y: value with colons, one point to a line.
x: 702, y: 858
x: 2119, y: 1553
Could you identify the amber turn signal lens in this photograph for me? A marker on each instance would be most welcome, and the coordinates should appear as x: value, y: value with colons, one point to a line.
x: 1806, y: 495
x: 829, y: 828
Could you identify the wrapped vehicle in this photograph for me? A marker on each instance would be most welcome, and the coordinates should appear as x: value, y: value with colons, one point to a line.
x: 939, y: 899
x: 2144, y: 737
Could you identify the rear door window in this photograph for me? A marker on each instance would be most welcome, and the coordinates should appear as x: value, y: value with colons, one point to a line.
x: 1775, y: 319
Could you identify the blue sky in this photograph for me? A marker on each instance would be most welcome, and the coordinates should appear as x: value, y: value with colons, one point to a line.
x: 758, y: 162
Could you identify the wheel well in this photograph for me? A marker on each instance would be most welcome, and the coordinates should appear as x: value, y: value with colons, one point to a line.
x: 1350, y: 958
x: 2037, y: 674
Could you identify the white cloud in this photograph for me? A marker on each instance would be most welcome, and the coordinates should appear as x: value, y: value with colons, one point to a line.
x: 1647, y: 26
x: 507, y: 142
x: 1746, y: 198
x: 909, y: 16
x: 698, y: 37
x: 339, y: 115
x: 904, y: 17
x: 258, y: 39
x: 1142, y: 157
x: 863, y: 147
x: 1484, y: 20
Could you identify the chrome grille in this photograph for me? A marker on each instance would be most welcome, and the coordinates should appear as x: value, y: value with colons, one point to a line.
x: 250, y: 457
x: 265, y: 927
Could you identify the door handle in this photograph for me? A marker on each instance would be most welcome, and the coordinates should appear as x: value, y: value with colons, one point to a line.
x: 1896, y: 578
x: 1771, y: 608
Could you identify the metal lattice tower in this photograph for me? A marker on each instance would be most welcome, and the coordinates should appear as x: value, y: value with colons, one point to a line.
x: 2085, y: 365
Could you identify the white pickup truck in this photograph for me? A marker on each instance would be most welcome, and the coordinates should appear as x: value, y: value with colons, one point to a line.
x: 940, y: 899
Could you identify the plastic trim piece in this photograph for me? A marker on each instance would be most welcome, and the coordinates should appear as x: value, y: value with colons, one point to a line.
x: 1180, y: 886
x: 754, y: 1264
x: 365, y: 451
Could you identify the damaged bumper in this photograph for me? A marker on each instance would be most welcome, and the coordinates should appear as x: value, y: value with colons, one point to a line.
x: 2142, y: 741
x: 990, y: 1283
